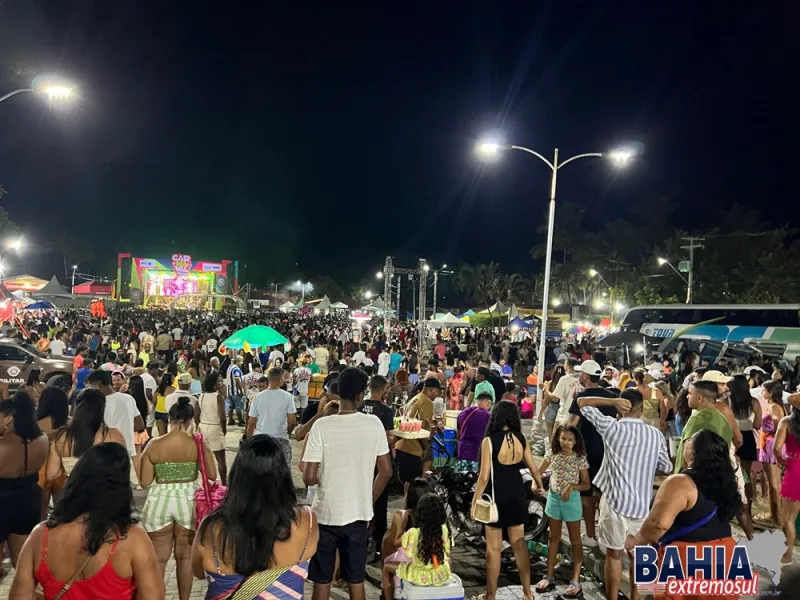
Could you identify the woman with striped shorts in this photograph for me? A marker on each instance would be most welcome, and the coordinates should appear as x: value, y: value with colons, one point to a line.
x: 168, y: 514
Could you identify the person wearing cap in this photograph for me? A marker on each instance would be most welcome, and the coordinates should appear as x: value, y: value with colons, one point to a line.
x: 184, y: 383
x: 117, y: 380
x: 590, y: 373
x: 412, y: 455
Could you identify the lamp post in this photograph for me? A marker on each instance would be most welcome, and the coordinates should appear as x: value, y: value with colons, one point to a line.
x: 436, y: 284
x: 664, y: 261
x: 613, y: 307
x: 488, y: 150
x: 74, y: 268
x: 303, y: 290
x: 54, y: 91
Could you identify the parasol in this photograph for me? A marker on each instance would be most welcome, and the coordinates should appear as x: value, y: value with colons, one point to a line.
x: 255, y: 336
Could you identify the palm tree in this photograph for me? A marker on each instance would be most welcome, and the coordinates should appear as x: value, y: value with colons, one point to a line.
x: 482, y: 282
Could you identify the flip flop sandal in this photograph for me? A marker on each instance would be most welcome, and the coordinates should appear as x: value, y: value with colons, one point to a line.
x: 579, y: 594
x: 550, y: 585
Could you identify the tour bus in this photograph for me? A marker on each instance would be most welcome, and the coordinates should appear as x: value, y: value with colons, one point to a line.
x: 772, y: 329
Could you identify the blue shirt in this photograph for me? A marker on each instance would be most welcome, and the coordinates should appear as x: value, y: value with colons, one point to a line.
x: 80, y: 379
x: 394, y: 361
x: 233, y: 373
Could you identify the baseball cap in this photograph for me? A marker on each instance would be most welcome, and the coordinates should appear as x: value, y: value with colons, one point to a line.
x: 753, y: 368
x: 185, y: 378
x: 432, y: 382
x: 589, y: 367
x: 153, y: 364
x: 716, y: 377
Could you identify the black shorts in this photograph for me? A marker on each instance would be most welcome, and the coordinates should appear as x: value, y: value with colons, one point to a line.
x: 409, y: 466
x: 159, y: 416
x: 592, y: 474
x: 351, y: 542
x: 22, y: 506
x: 748, y: 450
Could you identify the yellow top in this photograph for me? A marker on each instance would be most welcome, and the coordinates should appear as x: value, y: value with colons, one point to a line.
x: 424, y: 574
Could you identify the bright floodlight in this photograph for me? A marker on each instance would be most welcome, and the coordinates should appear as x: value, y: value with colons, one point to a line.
x: 15, y: 244
x: 592, y: 273
x: 619, y: 307
x: 598, y: 304
x: 556, y: 302
x: 379, y: 274
x: 368, y: 294
x: 426, y: 268
x: 487, y: 150
x: 621, y: 156
x: 58, y: 91
x: 299, y: 282
x: 662, y: 261
x: 74, y: 266
x: 444, y: 266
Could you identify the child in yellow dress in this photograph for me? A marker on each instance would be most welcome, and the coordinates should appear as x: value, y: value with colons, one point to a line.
x: 427, y: 546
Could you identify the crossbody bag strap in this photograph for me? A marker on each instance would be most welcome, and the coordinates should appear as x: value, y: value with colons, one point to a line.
x: 72, y: 579
x: 201, y: 457
x: 688, y: 529
x: 491, y: 466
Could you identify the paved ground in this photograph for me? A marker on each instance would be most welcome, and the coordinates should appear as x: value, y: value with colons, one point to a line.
x: 468, y: 561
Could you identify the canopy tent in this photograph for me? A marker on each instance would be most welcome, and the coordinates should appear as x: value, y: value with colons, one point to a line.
x: 339, y: 306
x: 513, y: 312
x: 448, y: 320
x: 359, y: 316
x: 498, y: 308
x: 288, y: 307
x: 5, y: 293
x: 324, y: 304
x: 40, y: 305
x: 520, y: 323
x: 53, y: 288
x: 470, y: 312
x: 255, y: 336
x: 26, y: 283
x: 625, y: 338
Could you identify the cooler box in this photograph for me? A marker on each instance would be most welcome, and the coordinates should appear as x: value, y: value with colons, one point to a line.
x: 452, y: 590
x: 315, y: 387
x: 450, y: 417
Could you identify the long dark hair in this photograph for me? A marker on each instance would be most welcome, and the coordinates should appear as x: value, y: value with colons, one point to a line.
x: 555, y: 443
x: 136, y: 389
x: 741, y: 400
x: 99, y: 491
x: 166, y: 381
x: 682, y: 408
x: 20, y: 406
x: 53, y: 403
x: 794, y: 423
x: 259, y: 508
x: 88, y: 418
x: 713, y: 474
x: 557, y: 374
x: 429, y: 516
x: 416, y: 490
x: 504, y: 414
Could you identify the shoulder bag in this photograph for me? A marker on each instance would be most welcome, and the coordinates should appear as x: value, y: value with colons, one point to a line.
x: 486, y: 508
x: 210, y: 495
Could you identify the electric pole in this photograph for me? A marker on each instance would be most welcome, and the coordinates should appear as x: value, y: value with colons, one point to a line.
x: 388, y: 274
x: 691, y: 248
x: 423, y: 289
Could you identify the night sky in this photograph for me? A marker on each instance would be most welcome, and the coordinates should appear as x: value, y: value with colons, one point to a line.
x: 329, y: 135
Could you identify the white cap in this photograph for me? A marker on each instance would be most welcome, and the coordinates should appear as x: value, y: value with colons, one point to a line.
x: 716, y: 377
x: 589, y: 367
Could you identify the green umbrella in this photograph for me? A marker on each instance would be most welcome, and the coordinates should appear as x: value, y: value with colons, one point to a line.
x: 257, y: 336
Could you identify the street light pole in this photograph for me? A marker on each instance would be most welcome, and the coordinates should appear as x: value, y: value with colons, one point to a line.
x: 74, y: 268
x: 15, y: 92
x: 388, y: 273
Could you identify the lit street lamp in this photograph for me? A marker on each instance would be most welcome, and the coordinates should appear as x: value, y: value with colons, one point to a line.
x: 664, y: 261
x: 74, y: 268
x: 16, y: 245
x: 368, y: 294
x: 436, y: 282
x: 303, y: 287
x: 489, y: 150
x: 614, y: 307
x: 60, y: 91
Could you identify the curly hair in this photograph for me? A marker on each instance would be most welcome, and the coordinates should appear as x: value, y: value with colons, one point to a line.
x: 555, y: 442
x: 713, y: 474
x: 429, y: 516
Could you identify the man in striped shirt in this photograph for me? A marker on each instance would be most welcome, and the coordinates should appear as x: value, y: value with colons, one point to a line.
x: 236, y: 390
x: 634, y: 451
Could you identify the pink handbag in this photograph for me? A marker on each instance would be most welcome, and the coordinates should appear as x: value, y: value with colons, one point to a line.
x: 210, y: 496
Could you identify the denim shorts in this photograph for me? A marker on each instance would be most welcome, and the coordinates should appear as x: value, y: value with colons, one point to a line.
x: 235, y: 402
x: 564, y: 510
x: 551, y: 411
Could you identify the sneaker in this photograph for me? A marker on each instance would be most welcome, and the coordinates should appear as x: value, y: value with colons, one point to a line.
x: 589, y: 542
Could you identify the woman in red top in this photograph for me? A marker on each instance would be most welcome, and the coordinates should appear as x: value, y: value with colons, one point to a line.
x: 90, y: 547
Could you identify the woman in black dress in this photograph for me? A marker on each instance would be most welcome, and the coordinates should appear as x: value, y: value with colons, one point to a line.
x: 504, y: 452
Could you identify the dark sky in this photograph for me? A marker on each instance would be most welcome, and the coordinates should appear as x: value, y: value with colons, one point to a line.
x: 331, y: 134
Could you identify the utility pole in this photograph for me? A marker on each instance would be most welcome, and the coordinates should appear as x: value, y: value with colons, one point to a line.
x: 398, y: 296
x: 388, y: 274
x: 435, y: 290
x: 423, y: 289
x: 691, y: 248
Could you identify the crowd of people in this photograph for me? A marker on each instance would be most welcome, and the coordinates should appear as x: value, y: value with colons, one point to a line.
x: 157, y: 392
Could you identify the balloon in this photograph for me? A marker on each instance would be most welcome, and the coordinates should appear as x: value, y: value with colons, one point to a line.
x: 246, y: 347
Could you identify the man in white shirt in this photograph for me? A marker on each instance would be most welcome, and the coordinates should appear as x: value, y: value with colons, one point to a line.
x: 121, y: 412
x: 184, y: 381
x: 360, y: 356
x: 57, y: 347
x: 341, y: 457
x: 565, y: 390
x: 151, y: 378
x: 272, y: 412
x: 275, y: 354
x: 383, y: 363
x: 322, y: 357
x: 302, y: 378
x: 177, y: 333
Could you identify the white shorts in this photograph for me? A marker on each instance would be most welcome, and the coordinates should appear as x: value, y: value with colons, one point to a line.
x: 613, y: 528
x: 301, y: 401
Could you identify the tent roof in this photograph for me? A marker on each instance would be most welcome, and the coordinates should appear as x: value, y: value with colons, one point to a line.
x: 339, y: 305
x: 496, y: 308
x: 5, y: 293
x: 324, y: 304
x: 25, y: 282
x: 53, y: 288
x: 91, y: 287
x: 469, y: 312
x: 518, y: 322
x: 449, y: 319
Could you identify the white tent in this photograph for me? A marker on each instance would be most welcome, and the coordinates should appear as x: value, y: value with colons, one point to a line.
x: 288, y: 307
x: 448, y: 320
x: 498, y: 308
x: 339, y: 306
x: 513, y: 312
x: 325, y: 304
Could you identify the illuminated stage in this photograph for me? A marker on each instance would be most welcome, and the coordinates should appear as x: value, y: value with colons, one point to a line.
x: 176, y: 282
